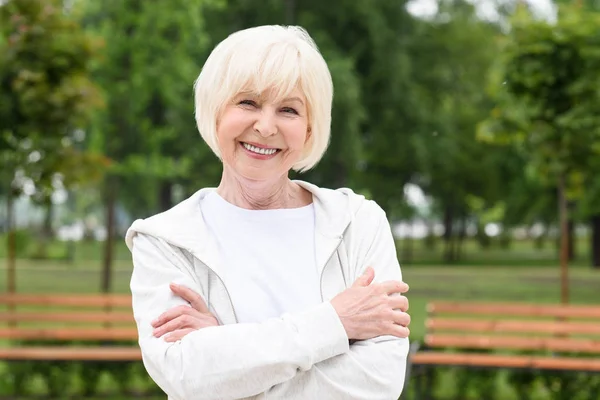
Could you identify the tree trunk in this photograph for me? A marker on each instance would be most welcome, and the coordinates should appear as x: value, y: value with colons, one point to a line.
x: 595, y: 245
x: 571, y: 239
x: 47, y: 231
x: 448, y: 235
x: 11, y: 244
x: 462, y: 234
x: 165, y: 195
x: 110, y: 197
x: 564, y: 240
x: 11, y: 273
x: 571, y: 230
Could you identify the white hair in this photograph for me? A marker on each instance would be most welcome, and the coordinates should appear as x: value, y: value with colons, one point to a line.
x: 267, y: 58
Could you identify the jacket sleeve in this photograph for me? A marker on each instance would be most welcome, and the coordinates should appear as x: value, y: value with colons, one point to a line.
x: 371, y: 369
x: 229, y: 361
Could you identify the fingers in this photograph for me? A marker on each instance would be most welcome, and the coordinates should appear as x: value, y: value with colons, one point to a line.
x: 399, y: 331
x: 172, y: 314
x: 391, y: 287
x: 179, y: 322
x: 365, y: 279
x: 178, y: 335
x: 401, y: 318
x: 398, y: 303
x: 190, y: 296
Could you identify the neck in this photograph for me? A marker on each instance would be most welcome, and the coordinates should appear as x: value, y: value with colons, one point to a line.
x: 262, y: 195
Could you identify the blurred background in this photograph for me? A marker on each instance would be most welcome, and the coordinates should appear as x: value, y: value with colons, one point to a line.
x: 474, y: 124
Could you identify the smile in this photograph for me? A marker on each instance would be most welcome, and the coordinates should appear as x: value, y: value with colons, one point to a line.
x: 259, y: 150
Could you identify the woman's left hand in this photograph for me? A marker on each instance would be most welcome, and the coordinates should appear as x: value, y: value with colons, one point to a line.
x: 181, y: 320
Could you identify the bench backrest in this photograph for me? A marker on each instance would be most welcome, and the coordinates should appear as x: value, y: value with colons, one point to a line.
x: 511, y: 326
x: 66, y: 317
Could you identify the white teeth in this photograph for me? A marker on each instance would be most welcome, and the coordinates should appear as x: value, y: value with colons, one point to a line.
x: 258, y: 150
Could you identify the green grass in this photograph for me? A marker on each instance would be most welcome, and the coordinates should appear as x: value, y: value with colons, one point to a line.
x: 519, y: 253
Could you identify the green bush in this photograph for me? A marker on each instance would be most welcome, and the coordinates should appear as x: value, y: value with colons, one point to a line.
x: 460, y: 383
x: 430, y: 241
x: 23, y: 240
x: 483, y: 239
x: 79, y: 379
x: 57, y: 379
x: 505, y: 240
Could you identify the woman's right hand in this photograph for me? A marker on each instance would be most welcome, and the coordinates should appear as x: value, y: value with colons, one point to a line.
x: 368, y: 310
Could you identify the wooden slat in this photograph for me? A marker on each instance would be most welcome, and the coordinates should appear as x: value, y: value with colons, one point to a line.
x: 505, y: 361
x: 495, y: 325
x: 71, y: 300
x: 517, y: 343
x: 68, y: 316
x: 72, y: 353
x: 515, y: 309
x: 69, y: 333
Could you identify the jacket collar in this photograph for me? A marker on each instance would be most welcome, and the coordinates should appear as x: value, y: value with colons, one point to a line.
x: 184, y: 226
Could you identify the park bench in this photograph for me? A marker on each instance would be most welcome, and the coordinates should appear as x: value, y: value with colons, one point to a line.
x: 510, y: 335
x: 67, y: 327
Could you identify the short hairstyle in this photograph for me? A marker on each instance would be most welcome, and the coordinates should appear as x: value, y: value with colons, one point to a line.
x: 267, y: 58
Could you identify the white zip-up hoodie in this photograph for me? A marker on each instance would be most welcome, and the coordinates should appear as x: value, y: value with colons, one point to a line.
x: 298, y: 356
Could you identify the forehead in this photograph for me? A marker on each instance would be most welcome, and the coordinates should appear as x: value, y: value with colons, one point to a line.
x: 274, y: 94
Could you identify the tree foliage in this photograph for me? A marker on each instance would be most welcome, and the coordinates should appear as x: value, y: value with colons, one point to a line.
x: 410, y: 93
x: 46, y: 94
x: 547, y: 91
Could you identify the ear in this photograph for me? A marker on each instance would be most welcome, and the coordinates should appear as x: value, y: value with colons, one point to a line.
x: 308, y: 134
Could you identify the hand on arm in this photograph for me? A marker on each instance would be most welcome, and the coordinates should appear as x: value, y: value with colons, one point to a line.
x: 367, y: 310
x: 177, y: 322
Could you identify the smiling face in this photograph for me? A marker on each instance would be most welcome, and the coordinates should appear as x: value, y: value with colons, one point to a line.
x: 261, y: 137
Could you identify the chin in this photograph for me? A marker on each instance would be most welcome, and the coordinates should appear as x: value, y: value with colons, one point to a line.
x: 260, y: 174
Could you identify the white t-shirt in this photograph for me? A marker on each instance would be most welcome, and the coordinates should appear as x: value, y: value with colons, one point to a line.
x: 268, y: 256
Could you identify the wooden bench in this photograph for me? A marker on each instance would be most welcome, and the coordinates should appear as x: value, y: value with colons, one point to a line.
x: 507, y: 335
x: 555, y: 337
x: 102, y: 327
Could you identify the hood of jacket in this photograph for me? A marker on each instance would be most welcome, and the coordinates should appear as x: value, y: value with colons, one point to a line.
x: 183, y: 225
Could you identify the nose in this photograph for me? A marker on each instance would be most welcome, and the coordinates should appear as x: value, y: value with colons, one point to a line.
x: 266, y: 124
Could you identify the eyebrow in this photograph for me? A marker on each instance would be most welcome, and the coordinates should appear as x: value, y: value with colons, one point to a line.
x: 298, y: 99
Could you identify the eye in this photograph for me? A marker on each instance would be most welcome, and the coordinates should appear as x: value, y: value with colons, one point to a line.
x: 250, y: 103
x: 289, y: 110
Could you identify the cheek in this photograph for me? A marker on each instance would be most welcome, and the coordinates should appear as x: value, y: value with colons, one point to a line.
x: 225, y: 131
x: 229, y: 127
x: 298, y: 136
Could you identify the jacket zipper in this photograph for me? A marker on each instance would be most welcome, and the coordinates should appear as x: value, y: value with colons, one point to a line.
x: 218, y: 276
x: 225, y: 286
x: 325, y: 266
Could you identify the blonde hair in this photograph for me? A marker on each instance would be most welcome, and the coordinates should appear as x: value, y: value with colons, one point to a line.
x: 267, y: 58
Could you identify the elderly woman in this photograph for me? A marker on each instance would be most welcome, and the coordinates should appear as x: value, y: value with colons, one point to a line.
x: 265, y: 287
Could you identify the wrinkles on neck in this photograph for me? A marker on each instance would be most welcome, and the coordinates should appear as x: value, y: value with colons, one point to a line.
x: 262, y: 195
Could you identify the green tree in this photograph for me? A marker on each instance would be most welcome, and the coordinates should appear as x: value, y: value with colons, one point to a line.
x: 45, y: 96
x: 453, y: 53
x: 147, y: 129
x: 376, y: 38
x: 548, y: 102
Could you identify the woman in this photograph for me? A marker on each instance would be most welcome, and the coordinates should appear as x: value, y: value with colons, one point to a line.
x: 264, y: 287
